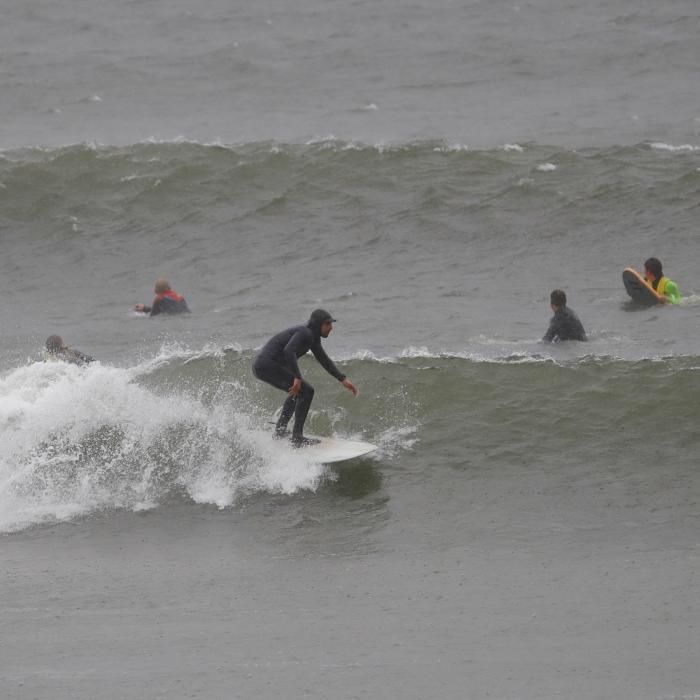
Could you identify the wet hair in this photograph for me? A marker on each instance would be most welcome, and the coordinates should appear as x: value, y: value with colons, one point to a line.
x: 557, y: 298
x: 654, y: 266
x: 162, y: 285
x: 54, y: 343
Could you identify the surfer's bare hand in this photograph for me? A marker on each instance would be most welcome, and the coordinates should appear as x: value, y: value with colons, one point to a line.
x: 350, y: 386
x: 663, y: 300
x: 296, y: 387
x: 138, y: 307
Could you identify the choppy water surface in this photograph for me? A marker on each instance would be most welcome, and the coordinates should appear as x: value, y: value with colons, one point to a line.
x: 429, y: 174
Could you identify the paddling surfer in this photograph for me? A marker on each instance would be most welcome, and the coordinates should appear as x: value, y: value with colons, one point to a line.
x: 166, y: 301
x: 58, y: 351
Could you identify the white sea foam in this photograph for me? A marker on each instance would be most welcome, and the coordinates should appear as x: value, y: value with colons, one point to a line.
x: 425, y: 353
x: 57, y: 422
x: 91, y: 98
x: 684, y: 148
x: 414, y: 351
x: 690, y: 300
x: 451, y: 148
x: 483, y: 349
x: 129, y: 178
x: 322, y: 140
x: 395, y: 440
x: 74, y: 440
x: 546, y: 167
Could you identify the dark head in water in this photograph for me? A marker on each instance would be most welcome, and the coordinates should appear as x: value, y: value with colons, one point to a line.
x: 557, y: 299
x: 54, y: 344
x: 321, y: 321
x: 653, y: 270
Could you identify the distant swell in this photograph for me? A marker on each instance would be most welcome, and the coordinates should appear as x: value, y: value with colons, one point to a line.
x: 69, y: 186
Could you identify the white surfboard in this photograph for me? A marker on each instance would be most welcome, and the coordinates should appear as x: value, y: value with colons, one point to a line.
x: 330, y: 449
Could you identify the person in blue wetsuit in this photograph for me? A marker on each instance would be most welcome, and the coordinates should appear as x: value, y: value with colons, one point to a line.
x: 166, y: 301
x: 565, y: 324
x: 276, y: 364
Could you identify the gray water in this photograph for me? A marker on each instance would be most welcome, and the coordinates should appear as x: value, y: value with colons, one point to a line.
x: 481, y: 73
x: 528, y: 525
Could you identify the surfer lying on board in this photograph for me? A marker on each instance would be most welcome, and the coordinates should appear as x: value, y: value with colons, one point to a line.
x: 56, y: 351
x: 565, y: 324
x: 668, y: 289
x: 276, y: 364
x: 166, y: 301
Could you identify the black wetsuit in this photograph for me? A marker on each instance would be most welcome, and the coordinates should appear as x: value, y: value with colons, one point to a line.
x: 74, y: 357
x: 276, y: 364
x: 167, y: 304
x: 565, y: 325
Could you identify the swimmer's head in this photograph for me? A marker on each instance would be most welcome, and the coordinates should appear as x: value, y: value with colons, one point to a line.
x: 162, y: 286
x: 54, y: 343
x: 653, y: 266
x: 557, y: 298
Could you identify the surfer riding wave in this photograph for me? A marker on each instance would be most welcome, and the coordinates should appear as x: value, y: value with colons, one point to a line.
x: 276, y: 364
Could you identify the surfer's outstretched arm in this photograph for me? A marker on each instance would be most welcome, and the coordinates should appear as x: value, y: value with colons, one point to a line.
x: 329, y: 366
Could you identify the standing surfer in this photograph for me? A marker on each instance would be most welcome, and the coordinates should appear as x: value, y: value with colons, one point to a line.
x: 276, y: 364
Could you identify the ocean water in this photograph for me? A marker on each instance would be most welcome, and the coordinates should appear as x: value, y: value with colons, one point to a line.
x: 528, y: 527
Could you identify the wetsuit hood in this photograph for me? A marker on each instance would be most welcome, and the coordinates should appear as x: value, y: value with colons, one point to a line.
x: 319, y: 316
